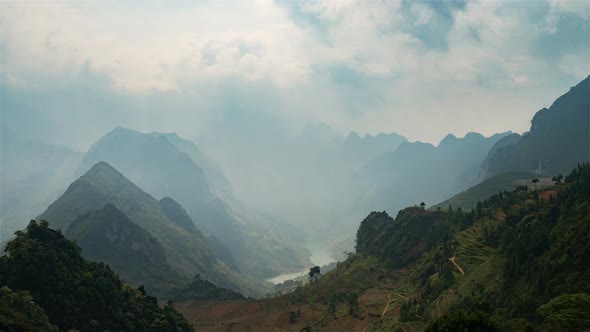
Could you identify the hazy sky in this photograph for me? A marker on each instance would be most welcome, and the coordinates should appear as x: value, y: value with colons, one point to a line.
x: 72, y: 70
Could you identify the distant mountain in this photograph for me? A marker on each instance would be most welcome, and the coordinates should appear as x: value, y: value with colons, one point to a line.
x: 108, y: 236
x: 420, y: 172
x: 187, y: 252
x: 219, y: 184
x: 165, y: 165
x: 558, y: 140
x: 357, y: 150
x: 64, y: 289
x: 33, y: 174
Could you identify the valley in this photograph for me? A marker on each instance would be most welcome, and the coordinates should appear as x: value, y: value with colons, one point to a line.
x: 301, y: 166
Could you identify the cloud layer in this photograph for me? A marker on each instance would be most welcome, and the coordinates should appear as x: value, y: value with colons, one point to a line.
x: 419, y: 68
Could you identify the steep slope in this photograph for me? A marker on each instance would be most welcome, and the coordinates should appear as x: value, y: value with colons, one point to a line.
x: 468, y: 199
x: 108, y: 236
x: 558, y: 140
x: 186, y: 252
x: 74, y: 293
x: 166, y: 165
x: 518, y: 262
x: 33, y: 175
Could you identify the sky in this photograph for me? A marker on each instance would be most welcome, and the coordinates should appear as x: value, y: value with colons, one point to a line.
x: 72, y: 70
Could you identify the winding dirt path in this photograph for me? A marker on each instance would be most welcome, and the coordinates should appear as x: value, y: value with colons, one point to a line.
x: 387, y: 306
x: 452, y: 259
x: 389, y: 301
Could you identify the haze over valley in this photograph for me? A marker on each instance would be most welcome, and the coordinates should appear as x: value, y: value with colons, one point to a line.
x: 302, y: 166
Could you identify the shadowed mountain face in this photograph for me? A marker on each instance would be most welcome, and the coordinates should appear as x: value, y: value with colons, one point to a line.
x: 167, y: 166
x: 559, y: 138
x: 108, y: 236
x: 186, y: 252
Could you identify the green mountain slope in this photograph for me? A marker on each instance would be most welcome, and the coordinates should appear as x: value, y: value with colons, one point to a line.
x: 186, y: 252
x: 518, y: 262
x: 73, y: 292
x: 108, y: 236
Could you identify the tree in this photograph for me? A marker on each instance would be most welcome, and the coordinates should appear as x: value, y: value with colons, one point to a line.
x: 569, y: 312
x: 423, y: 205
x: 314, y: 273
x: 463, y: 321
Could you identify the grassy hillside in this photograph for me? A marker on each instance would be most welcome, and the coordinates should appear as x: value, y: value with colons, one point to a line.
x: 517, y: 262
x: 468, y: 199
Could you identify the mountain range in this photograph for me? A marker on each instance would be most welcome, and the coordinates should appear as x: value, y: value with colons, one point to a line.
x: 128, y: 218
x: 166, y: 165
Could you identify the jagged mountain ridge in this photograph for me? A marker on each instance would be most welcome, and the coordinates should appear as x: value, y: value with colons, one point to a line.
x: 558, y: 140
x: 187, y: 252
x: 166, y: 165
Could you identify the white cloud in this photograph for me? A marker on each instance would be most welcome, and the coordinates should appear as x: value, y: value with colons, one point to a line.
x: 162, y: 48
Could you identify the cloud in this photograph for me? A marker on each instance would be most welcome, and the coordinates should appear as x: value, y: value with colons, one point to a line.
x: 423, y: 69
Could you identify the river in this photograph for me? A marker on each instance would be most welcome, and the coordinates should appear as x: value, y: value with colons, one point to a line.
x: 319, y: 256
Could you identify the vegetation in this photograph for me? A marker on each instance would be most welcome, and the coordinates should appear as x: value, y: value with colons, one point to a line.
x: 19, y: 312
x: 201, y: 289
x: 507, y: 257
x: 503, y: 266
x: 463, y: 321
x: 73, y: 292
x: 569, y: 312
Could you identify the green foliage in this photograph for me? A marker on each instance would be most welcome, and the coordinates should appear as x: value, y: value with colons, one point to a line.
x: 202, y: 289
x: 399, y: 241
x: 78, y: 294
x: 518, y: 249
x: 569, y: 312
x: 458, y: 321
x: 314, y: 273
x: 18, y: 312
